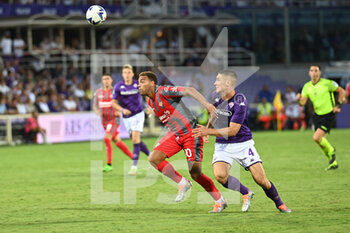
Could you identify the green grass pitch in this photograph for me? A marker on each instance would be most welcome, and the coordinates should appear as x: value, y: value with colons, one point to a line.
x: 46, y: 188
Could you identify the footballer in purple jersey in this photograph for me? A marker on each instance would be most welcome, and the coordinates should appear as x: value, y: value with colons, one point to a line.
x: 234, y: 142
x: 129, y: 97
x: 233, y: 110
x: 127, y: 94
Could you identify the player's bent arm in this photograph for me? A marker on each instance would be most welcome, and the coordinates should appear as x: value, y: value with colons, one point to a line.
x: 342, y: 94
x: 301, y: 99
x: 95, y: 107
x: 190, y: 91
x: 230, y: 131
x: 119, y: 108
x: 116, y: 106
x: 96, y: 110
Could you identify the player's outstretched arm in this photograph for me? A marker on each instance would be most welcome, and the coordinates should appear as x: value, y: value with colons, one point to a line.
x: 190, y: 91
x: 301, y: 99
x: 119, y: 108
x: 230, y: 131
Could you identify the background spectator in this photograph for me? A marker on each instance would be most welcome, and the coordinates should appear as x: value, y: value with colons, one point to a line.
x: 265, y: 114
x: 6, y: 46
x: 70, y: 104
x: 18, y: 46
x: 32, y: 128
x: 265, y: 93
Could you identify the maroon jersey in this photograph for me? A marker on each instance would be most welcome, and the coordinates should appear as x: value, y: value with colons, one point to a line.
x: 103, y: 100
x: 171, y: 111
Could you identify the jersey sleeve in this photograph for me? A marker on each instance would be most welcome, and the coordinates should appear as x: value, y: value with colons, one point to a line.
x: 332, y: 85
x: 304, y: 91
x: 240, y: 112
x: 116, y: 92
x: 172, y: 91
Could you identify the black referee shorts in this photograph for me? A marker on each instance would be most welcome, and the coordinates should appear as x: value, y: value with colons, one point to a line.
x: 324, y: 122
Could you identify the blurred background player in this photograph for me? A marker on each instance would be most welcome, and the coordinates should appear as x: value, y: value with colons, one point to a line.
x: 234, y: 142
x: 321, y: 93
x: 171, y: 111
x: 127, y: 94
x: 110, y: 119
x: 32, y: 128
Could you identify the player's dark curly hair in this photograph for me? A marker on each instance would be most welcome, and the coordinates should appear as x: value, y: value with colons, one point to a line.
x: 149, y: 74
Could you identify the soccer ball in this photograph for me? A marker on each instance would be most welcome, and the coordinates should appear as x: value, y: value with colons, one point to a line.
x: 96, y: 15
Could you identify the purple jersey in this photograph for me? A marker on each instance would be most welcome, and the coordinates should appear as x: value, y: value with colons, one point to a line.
x: 128, y: 97
x: 233, y: 110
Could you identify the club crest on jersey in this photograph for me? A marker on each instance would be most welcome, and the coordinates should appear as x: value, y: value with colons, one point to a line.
x: 239, y: 99
x: 122, y: 86
x: 161, y: 104
x: 135, y: 85
x: 231, y: 104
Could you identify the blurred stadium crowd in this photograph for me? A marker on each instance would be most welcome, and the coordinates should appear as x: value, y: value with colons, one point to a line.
x: 24, y: 90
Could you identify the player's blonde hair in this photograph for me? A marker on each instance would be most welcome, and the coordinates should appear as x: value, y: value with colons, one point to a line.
x: 128, y: 66
x: 229, y: 75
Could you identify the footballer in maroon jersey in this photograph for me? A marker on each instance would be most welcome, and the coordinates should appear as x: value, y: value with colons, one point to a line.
x: 110, y: 119
x: 168, y: 107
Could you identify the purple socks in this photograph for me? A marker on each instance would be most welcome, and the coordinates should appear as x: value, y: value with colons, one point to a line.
x: 234, y: 184
x: 136, y: 153
x: 144, y: 148
x: 273, y: 195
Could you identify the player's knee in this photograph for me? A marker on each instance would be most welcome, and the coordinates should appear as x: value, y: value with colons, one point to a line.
x: 108, y: 136
x: 316, y: 138
x: 154, y: 160
x: 151, y: 159
x: 135, y: 141
x: 195, y: 175
x: 135, y: 137
x: 221, y: 178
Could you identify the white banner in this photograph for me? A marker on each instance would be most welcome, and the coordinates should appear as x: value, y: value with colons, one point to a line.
x: 74, y: 127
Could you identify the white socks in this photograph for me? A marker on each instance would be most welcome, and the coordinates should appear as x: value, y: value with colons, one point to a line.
x: 182, y: 181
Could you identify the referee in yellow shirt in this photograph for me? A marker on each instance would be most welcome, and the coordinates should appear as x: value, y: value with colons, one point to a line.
x: 321, y: 93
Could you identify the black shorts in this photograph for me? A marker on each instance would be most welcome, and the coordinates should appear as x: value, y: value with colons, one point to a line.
x: 324, y: 122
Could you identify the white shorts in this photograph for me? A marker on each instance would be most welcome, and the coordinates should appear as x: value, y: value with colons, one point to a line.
x: 134, y: 123
x: 244, y: 153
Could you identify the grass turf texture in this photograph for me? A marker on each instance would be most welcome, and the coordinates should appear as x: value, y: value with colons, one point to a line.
x: 46, y: 188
